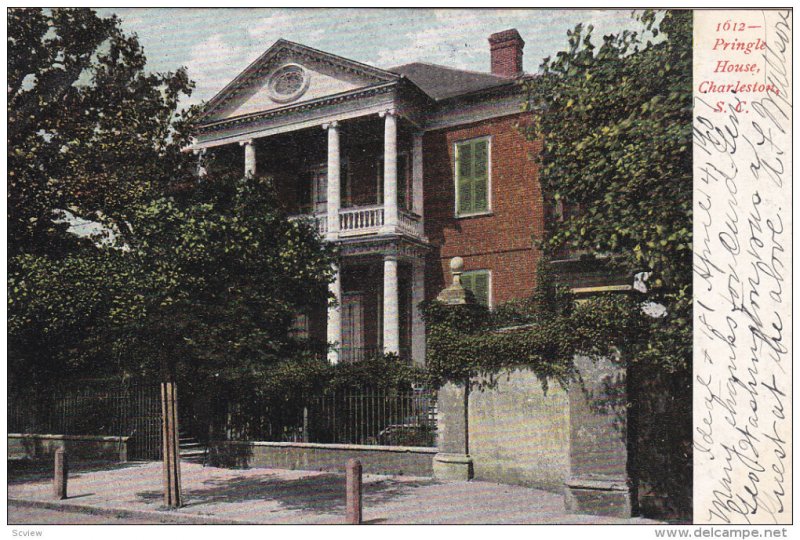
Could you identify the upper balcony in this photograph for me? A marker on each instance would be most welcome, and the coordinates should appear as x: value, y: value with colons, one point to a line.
x: 354, y: 178
x: 366, y: 221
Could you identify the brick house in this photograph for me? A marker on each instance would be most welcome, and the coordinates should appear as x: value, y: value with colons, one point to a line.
x: 403, y: 167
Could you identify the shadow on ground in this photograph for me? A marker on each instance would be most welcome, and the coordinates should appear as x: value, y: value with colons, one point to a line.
x: 321, y: 493
x: 21, y: 471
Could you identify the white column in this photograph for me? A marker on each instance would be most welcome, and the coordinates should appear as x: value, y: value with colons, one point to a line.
x: 335, y: 318
x: 201, y: 166
x: 390, y: 171
x: 334, y: 185
x: 249, y: 158
x: 417, y: 323
x: 416, y: 175
x: 391, y: 305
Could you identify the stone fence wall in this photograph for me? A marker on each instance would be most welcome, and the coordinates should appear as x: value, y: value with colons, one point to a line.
x: 401, y: 460
x: 518, y: 433
x: 79, y: 447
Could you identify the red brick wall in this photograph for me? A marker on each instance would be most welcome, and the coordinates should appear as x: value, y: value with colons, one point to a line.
x: 503, y: 241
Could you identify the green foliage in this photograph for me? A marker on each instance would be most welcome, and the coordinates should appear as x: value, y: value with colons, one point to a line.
x: 616, y: 125
x: 88, y: 129
x: 200, y: 278
x: 207, y: 285
x: 542, y: 333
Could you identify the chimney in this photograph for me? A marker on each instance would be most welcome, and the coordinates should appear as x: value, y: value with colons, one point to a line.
x: 506, y: 47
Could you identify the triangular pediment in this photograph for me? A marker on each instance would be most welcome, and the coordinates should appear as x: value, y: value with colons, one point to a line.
x: 288, y: 74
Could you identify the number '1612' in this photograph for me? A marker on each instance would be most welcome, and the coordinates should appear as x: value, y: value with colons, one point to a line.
x: 729, y: 26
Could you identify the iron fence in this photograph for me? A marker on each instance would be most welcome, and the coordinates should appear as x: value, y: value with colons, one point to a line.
x: 371, y: 417
x: 101, y: 408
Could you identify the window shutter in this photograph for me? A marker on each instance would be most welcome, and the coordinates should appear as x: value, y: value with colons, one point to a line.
x: 481, y: 151
x: 472, y: 176
x: 481, y: 176
x: 480, y: 287
x: 467, y: 281
x: 464, y: 177
x: 464, y: 157
x: 478, y: 282
x: 464, y: 196
x: 480, y: 200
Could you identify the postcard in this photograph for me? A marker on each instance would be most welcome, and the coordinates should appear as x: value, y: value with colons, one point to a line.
x: 317, y: 266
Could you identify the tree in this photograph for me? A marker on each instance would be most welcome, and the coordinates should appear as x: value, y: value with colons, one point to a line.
x: 616, y: 123
x: 214, y: 281
x: 88, y: 128
x: 89, y: 131
x: 206, y: 273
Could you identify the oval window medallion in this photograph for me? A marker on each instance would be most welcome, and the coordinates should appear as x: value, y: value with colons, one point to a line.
x: 288, y: 83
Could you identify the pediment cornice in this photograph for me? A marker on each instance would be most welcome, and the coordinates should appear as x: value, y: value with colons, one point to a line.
x: 274, y: 57
x: 221, y: 125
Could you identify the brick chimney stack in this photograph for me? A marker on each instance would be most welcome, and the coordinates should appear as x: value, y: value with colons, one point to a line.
x: 506, y: 47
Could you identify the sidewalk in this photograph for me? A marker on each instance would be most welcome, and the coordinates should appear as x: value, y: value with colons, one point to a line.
x: 213, y: 495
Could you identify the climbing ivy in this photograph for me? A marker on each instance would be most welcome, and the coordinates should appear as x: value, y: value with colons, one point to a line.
x: 542, y: 333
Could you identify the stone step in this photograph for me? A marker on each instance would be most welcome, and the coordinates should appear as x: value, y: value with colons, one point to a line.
x: 190, y: 445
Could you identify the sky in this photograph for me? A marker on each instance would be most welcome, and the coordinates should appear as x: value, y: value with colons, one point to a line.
x: 217, y: 44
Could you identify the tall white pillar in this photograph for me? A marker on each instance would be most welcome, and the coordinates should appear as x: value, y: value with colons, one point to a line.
x: 335, y: 318
x: 201, y: 165
x: 391, y: 305
x: 417, y: 322
x: 249, y: 158
x: 334, y: 185
x: 390, y: 171
x: 416, y: 175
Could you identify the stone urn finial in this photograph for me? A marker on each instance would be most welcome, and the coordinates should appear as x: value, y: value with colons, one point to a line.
x: 456, y: 268
x: 456, y: 294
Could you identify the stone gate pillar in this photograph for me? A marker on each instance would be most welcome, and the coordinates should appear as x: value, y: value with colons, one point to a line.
x: 453, y: 461
x: 599, y: 482
x: 600, y: 421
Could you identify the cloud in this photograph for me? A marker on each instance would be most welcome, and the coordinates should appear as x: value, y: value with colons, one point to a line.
x: 219, y: 58
x: 451, y: 40
x: 216, y: 61
x: 294, y: 25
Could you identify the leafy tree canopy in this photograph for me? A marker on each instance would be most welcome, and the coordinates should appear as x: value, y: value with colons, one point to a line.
x: 200, y: 277
x: 89, y: 129
x: 616, y: 124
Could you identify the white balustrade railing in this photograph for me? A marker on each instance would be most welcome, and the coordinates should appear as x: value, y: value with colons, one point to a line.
x: 360, y: 219
x: 366, y: 220
x: 410, y: 223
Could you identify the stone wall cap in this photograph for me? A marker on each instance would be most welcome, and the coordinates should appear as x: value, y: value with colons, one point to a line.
x: 612, y: 483
x: 444, y: 457
x: 356, y: 447
x: 110, y: 438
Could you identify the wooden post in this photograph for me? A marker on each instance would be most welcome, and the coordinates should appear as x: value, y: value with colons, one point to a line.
x: 60, y: 476
x: 354, y: 492
x: 169, y: 432
x: 305, y: 424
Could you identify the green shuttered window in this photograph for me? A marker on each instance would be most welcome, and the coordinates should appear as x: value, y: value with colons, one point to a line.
x: 472, y: 176
x: 478, y: 282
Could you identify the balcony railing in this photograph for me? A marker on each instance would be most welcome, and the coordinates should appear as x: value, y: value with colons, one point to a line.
x: 365, y: 220
x: 410, y: 223
x: 360, y: 220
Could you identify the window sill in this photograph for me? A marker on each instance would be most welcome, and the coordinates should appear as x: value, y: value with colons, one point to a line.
x: 488, y: 213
